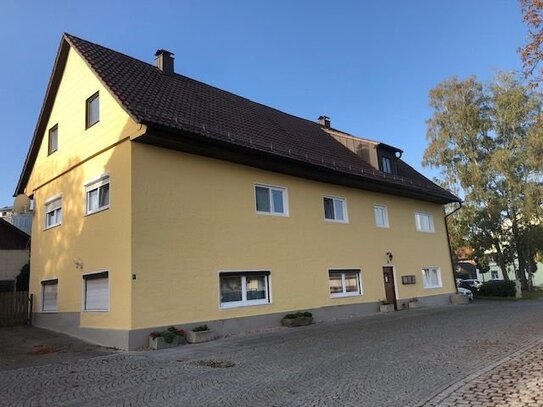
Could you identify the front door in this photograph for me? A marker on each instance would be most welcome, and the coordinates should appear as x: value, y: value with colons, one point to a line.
x: 388, y: 276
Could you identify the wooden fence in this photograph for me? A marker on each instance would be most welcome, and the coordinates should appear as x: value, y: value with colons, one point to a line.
x: 15, y: 308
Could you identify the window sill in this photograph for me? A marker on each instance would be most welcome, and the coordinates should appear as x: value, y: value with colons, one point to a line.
x: 283, y: 215
x: 336, y: 221
x: 426, y: 231
x: 105, y: 208
x: 343, y: 295
x: 88, y: 126
x: 52, y: 227
x: 95, y: 310
x: 382, y: 227
x: 243, y: 305
x: 48, y: 312
x: 433, y: 287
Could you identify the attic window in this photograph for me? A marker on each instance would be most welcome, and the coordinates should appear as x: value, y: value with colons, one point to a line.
x: 386, y: 165
x: 92, y: 114
x: 53, y: 140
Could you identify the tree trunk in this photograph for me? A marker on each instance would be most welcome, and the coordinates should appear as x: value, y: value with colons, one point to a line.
x: 521, y: 271
x: 501, y: 261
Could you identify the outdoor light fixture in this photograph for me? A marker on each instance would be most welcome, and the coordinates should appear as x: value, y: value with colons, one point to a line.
x: 389, y: 257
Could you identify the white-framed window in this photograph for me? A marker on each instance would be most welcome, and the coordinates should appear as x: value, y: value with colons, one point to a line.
x: 53, y: 212
x: 271, y: 200
x: 386, y: 165
x: 96, y: 291
x: 344, y: 283
x: 49, y: 294
x: 381, y: 216
x: 424, y: 222
x: 431, y: 277
x: 238, y: 289
x: 92, y: 110
x: 97, y: 195
x: 494, y: 274
x: 335, y: 209
x: 52, y: 143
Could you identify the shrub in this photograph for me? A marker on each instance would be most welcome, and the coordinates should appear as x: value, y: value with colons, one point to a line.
x: 498, y: 289
x: 200, y: 328
x: 168, y: 334
x: 299, y: 315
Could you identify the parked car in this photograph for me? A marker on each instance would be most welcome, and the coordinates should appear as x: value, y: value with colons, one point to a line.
x: 466, y: 292
x: 472, y: 283
x: 467, y: 286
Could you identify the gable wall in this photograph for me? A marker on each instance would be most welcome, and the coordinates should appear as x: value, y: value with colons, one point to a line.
x: 98, y: 241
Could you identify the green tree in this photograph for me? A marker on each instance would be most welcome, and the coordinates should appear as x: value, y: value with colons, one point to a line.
x: 486, y: 139
x: 23, y: 278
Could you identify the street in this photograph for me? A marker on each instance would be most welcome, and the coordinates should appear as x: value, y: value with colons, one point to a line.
x: 432, y: 356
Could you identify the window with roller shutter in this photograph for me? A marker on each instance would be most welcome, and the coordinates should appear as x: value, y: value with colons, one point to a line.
x: 96, y: 291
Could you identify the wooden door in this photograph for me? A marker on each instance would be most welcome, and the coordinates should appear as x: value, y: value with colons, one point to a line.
x: 388, y: 277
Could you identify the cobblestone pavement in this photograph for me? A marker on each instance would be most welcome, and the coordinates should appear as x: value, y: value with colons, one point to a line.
x: 400, y: 359
x: 516, y: 381
x: 22, y: 346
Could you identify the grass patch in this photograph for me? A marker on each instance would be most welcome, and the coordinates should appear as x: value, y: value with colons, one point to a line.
x: 532, y: 295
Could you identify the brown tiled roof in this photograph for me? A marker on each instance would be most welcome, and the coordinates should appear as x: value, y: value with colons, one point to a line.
x: 180, y: 105
x: 11, y: 237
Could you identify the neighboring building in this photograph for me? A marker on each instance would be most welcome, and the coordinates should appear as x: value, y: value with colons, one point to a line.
x: 22, y: 221
x: 161, y: 200
x: 496, y: 273
x: 14, y: 249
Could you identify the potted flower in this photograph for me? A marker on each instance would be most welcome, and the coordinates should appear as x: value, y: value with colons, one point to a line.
x: 200, y: 334
x: 165, y: 339
x: 297, y: 319
x: 386, y: 306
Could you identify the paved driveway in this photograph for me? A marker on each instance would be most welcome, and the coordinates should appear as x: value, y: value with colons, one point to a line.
x: 405, y: 358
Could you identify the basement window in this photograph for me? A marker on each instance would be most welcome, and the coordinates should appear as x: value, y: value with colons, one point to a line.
x: 238, y: 289
x: 92, y: 110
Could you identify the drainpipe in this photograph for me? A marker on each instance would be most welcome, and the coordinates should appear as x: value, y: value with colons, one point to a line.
x: 449, y: 243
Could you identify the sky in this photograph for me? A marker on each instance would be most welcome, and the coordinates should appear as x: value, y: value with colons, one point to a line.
x: 368, y: 65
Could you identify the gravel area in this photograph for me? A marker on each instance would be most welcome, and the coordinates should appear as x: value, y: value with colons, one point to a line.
x: 399, y: 359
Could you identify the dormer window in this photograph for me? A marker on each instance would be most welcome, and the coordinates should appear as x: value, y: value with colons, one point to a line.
x: 386, y: 165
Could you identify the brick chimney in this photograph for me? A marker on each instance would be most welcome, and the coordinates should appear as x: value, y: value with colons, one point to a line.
x: 324, y: 121
x: 164, y: 61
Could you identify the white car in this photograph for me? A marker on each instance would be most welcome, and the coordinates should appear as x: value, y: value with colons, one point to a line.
x: 466, y: 292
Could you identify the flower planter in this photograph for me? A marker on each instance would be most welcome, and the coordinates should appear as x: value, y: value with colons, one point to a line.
x: 386, y: 307
x: 299, y: 321
x: 200, y: 336
x: 159, y: 343
x: 414, y: 304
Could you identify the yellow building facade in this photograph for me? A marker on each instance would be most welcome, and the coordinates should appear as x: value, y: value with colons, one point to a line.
x: 131, y: 235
